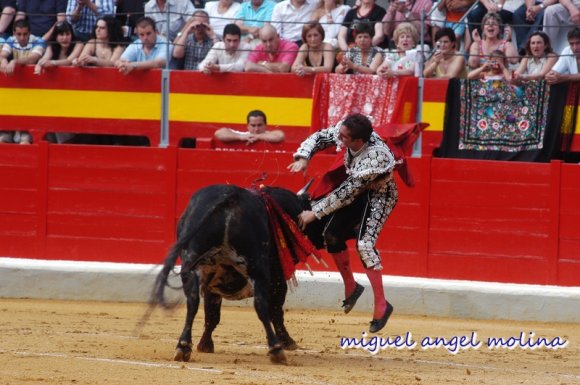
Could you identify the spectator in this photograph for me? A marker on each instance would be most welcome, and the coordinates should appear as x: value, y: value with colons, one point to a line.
x: 178, y: 12
x: 315, y: 55
x: 527, y: 19
x: 330, y: 14
x: 366, y: 12
x: 198, y: 4
x: 228, y: 55
x: 62, y: 48
x: 8, y: 9
x: 127, y: 13
x: 407, y: 11
x: 82, y: 14
x: 20, y: 49
x: 150, y: 51
x: 559, y: 18
x: 495, y: 68
x: 448, y: 14
x: 363, y: 58
x: 446, y: 62
x: 42, y: 15
x: 484, y: 7
x: 273, y: 54
x: 105, y: 45
x: 401, y: 61
x: 566, y: 68
x: 289, y: 16
x: 257, y: 131
x: 221, y: 13
x: 195, y: 40
x: 252, y: 16
x: 538, y: 60
x: 492, y: 40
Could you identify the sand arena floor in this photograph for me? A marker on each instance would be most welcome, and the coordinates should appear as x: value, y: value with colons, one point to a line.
x: 58, y: 342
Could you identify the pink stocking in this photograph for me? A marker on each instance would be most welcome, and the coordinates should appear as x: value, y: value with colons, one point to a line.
x: 342, y: 262
x: 376, y: 279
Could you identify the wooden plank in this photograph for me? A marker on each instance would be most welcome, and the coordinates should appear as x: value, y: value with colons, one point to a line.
x: 143, y: 204
x: 568, y: 273
x: 17, y: 201
x: 493, y: 172
x: 488, y: 243
x: 508, y: 220
x: 105, y: 250
x: 569, y: 250
x: 496, y: 269
x: 137, y: 228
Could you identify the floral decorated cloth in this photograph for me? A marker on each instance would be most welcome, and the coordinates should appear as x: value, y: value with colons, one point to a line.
x: 498, y: 116
x: 494, y: 120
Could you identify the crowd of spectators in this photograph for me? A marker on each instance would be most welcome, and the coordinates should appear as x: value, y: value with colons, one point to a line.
x: 445, y: 38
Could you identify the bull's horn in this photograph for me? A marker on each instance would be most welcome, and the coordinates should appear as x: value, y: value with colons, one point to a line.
x: 304, y: 189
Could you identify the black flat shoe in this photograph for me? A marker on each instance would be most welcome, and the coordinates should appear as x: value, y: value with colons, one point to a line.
x: 378, y: 324
x: 349, y: 303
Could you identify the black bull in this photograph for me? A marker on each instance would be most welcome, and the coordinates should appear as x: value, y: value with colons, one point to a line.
x: 227, y: 251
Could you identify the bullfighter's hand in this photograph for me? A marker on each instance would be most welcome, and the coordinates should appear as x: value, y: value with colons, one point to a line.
x: 304, y: 218
x: 297, y: 166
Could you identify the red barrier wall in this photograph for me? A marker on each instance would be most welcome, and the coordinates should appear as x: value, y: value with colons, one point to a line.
x: 475, y: 220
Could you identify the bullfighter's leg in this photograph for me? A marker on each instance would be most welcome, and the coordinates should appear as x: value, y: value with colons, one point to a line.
x: 277, y: 299
x: 191, y: 290
x: 378, y: 209
x: 262, y: 306
x: 212, y: 306
x: 341, y: 226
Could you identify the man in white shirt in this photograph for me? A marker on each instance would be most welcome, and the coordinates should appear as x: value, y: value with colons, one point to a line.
x: 257, y: 131
x: 566, y: 68
x: 289, y: 16
x: 178, y: 12
x: 228, y: 55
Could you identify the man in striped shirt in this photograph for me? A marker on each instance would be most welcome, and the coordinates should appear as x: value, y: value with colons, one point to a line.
x: 83, y: 14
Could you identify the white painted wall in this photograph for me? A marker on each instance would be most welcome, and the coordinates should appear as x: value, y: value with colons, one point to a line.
x: 25, y: 278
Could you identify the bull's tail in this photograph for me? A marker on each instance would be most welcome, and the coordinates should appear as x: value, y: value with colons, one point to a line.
x: 158, y: 293
x: 186, y: 230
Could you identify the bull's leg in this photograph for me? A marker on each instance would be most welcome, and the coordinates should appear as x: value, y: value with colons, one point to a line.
x: 212, y: 307
x: 191, y: 290
x: 262, y: 306
x: 277, y: 299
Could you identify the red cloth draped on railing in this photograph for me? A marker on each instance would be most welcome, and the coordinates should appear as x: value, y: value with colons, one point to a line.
x: 392, y: 104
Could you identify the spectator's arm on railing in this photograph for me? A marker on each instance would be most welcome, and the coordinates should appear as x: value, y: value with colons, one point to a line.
x: 6, y: 18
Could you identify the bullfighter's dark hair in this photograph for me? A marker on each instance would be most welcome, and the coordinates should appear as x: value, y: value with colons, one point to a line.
x: 256, y: 114
x: 359, y: 127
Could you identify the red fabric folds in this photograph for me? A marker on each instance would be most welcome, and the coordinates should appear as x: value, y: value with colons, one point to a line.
x: 292, y: 245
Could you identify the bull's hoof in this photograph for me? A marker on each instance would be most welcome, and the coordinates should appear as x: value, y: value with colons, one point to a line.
x: 277, y: 355
x: 289, y: 344
x: 182, y: 352
x: 205, y: 347
x: 182, y: 355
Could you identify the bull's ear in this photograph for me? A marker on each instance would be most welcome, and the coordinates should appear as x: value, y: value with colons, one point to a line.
x: 304, y: 189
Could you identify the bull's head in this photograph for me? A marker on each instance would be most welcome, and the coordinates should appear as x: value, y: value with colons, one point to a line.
x: 303, y: 196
